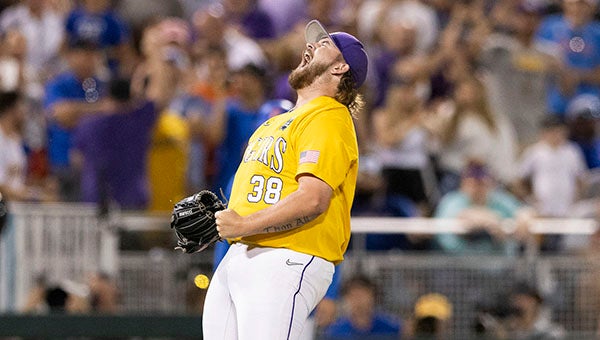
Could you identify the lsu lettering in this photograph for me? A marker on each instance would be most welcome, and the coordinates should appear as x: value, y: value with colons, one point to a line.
x: 318, y: 139
x: 267, y: 151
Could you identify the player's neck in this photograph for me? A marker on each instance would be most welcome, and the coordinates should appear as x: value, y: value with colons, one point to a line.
x: 313, y: 91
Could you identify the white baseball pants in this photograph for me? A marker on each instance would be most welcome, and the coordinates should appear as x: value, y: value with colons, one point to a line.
x: 263, y: 293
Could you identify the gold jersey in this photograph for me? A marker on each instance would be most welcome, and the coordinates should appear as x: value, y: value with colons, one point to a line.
x: 317, y: 138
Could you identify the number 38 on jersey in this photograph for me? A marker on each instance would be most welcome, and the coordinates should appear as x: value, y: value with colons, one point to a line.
x: 265, y: 189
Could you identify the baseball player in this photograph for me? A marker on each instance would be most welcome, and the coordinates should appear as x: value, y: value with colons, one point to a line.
x: 288, y: 219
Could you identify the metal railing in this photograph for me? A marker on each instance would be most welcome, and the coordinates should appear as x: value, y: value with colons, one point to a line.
x: 68, y: 241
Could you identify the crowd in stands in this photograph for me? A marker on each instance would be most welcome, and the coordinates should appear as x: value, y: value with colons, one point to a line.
x: 136, y: 105
x: 476, y: 109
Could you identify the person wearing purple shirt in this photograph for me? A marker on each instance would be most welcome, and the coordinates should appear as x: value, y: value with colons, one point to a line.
x: 254, y: 21
x: 70, y: 96
x: 114, y: 148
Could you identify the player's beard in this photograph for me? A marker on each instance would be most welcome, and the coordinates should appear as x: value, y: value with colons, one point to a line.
x: 304, y: 77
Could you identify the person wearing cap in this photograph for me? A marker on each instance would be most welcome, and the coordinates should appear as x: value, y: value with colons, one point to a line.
x: 482, y: 206
x: 431, y: 314
x: 71, y: 95
x: 288, y: 216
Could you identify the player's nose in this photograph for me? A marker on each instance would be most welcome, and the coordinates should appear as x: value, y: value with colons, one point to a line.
x: 310, y: 46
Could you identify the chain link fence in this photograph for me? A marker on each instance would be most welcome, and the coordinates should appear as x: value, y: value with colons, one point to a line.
x: 66, y: 242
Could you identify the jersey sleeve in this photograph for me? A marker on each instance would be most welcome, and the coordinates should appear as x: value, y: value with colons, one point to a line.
x: 327, y: 147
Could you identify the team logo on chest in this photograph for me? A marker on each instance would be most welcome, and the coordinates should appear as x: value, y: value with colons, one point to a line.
x: 286, y: 124
x: 268, y: 151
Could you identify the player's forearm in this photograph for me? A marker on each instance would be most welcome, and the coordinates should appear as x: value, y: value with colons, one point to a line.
x: 292, y: 212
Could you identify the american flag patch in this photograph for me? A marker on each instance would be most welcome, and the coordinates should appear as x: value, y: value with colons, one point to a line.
x: 309, y: 156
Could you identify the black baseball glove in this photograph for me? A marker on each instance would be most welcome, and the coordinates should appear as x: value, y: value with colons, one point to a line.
x: 194, y: 221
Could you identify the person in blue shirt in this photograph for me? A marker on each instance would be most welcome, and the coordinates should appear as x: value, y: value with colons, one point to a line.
x: 363, y: 320
x: 234, y: 119
x: 573, y: 38
x: 95, y: 21
x: 68, y: 97
x: 582, y: 114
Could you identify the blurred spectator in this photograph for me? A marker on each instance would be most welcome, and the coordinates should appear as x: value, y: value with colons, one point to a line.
x: 573, y: 38
x: 285, y: 14
x: 402, y: 145
x: 137, y: 13
x: 209, y: 88
x: 33, y: 32
x: 43, y: 32
x: 583, y: 115
x: 483, y: 206
x: 369, y: 185
x: 400, y: 35
x: 96, y: 22
x: 12, y: 62
x: 516, y: 71
x: 283, y: 57
x: 431, y: 316
x: 398, y: 43
x: 376, y: 18
x: 104, y: 294
x: 520, y: 315
x: 14, y: 181
x: 213, y: 31
x: 250, y: 17
x: 467, y: 129
x: 555, y: 169
x: 46, y: 297
x: 164, y: 47
x: 70, y: 96
x: 363, y: 320
x: 194, y: 97
x: 212, y: 73
x: 14, y: 70
x: 235, y: 119
x: 114, y: 147
x: 530, y: 321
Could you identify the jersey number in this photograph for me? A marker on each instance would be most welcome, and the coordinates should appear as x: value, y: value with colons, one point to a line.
x: 268, y: 191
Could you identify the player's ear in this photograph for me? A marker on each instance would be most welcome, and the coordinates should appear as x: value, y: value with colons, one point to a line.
x: 340, y: 68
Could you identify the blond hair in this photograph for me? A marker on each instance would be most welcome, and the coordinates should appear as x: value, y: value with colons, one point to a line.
x: 348, y: 95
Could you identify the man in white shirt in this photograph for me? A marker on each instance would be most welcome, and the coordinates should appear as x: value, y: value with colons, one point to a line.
x: 43, y: 30
x: 13, y: 161
x: 556, y: 169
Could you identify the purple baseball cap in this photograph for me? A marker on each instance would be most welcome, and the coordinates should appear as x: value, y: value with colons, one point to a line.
x: 352, y: 49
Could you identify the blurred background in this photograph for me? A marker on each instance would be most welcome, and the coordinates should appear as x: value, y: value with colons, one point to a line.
x: 478, y: 197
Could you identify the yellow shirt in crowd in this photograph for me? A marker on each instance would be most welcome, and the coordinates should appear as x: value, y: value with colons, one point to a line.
x: 168, y: 160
